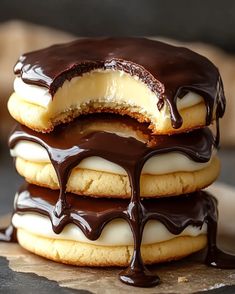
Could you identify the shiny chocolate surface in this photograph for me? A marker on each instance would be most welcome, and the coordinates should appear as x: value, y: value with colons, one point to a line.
x: 167, y: 70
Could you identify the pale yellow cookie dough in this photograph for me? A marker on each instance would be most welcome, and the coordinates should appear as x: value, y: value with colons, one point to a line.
x: 97, y: 183
x: 83, y: 254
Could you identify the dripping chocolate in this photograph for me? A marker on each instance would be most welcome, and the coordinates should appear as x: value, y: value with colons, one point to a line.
x: 51, y: 67
x: 70, y: 143
x: 131, y: 154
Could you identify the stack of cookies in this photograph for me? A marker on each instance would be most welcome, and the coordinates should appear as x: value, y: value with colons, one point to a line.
x: 114, y: 145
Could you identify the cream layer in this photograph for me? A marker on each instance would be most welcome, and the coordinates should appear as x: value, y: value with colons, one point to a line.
x: 115, y: 233
x: 111, y: 86
x: 159, y: 164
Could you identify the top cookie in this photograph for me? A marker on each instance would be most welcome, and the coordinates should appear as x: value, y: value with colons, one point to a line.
x: 172, y: 88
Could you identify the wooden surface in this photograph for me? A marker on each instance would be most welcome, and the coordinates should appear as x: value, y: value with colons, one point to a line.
x: 22, y: 272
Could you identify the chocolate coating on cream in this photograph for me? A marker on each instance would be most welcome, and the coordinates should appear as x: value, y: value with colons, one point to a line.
x: 119, y: 139
x: 90, y: 136
x: 167, y: 70
x: 176, y: 213
x: 105, y: 136
x: 69, y: 144
x: 91, y: 215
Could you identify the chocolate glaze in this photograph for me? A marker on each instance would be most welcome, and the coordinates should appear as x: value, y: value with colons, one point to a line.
x: 92, y: 136
x: 106, y: 136
x: 91, y: 216
x: 70, y: 144
x: 176, y: 213
x: 167, y: 70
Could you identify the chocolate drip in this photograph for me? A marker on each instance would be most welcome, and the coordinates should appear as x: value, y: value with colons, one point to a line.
x: 106, y: 137
x: 215, y: 256
x: 119, y: 139
x: 137, y: 274
x: 176, y: 213
x: 91, y: 215
x: 68, y: 145
x: 167, y: 70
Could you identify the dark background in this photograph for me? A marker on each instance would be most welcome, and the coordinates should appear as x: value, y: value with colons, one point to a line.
x: 208, y: 21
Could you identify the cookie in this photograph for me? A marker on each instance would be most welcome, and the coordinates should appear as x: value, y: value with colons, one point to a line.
x: 101, y: 232
x: 99, y: 152
x: 164, y: 87
x: 83, y: 254
x: 104, y: 184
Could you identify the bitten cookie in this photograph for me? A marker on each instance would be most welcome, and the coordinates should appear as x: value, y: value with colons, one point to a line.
x: 171, y: 88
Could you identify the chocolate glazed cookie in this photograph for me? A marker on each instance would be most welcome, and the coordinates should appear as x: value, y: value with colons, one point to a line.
x: 163, y: 75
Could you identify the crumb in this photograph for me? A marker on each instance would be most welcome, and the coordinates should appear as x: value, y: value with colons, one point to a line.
x: 182, y: 280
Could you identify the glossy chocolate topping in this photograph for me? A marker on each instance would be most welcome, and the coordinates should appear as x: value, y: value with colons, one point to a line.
x: 119, y: 139
x: 127, y: 143
x: 176, y: 213
x: 91, y: 215
x: 167, y: 70
x: 113, y: 138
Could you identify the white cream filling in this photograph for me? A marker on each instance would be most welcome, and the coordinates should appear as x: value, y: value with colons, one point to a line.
x: 115, y: 233
x: 31, y: 93
x: 159, y: 164
x: 110, y: 86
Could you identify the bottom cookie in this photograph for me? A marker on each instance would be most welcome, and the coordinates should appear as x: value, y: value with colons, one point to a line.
x: 101, y: 232
x: 105, y: 232
x: 84, y: 254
